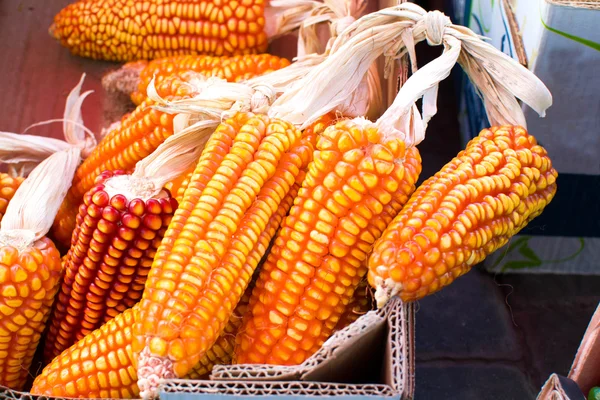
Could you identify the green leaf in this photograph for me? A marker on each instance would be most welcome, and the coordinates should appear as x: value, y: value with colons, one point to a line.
x: 585, y: 42
x: 511, y: 265
x: 517, y: 243
x: 594, y: 394
x: 526, y: 251
x: 511, y: 247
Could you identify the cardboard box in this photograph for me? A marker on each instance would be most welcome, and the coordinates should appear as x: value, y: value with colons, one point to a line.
x: 373, y: 358
x: 585, y: 371
x: 559, y: 40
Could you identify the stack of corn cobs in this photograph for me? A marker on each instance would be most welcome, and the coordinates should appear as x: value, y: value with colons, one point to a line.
x: 239, y: 214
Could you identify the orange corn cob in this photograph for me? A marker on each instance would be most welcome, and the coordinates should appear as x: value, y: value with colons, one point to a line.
x: 360, y: 304
x: 121, y: 30
x: 29, y: 280
x: 202, y: 267
x: 114, y: 243
x: 138, y: 135
x: 232, y: 69
x: 355, y: 186
x: 113, y: 342
x: 178, y: 185
x: 472, y: 207
x: 8, y: 187
x: 101, y: 364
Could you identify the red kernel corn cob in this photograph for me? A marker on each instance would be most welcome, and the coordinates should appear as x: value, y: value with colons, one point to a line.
x: 30, y: 280
x: 8, y: 187
x: 469, y: 209
x: 202, y: 267
x: 138, y: 135
x: 113, y: 342
x: 114, y: 243
x: 355, y: 186
x: 120, y: 30
x: 232, y: 69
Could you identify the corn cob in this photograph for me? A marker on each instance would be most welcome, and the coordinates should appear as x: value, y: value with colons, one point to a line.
x: 469, y: 209
x: 138, y: 135
x: 30, y: 280
x: 30, y: 265
x: 114, y: 242
x: 359, y: 304
x: 8, y: 187
x: 178, y: 185
x: 101, y: 364
x: 247, y: 168
x: 113, y: 344
x: 232, y: 69
x: 118, y: 30
x: 355, y: 185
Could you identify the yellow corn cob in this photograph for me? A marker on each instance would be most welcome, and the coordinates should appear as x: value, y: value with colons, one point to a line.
x: 113, y: 342
x: 138, y: 135
x: 232, y: 69
x: 101, y: 364
x: 473, y: 206
x: 30, y: 280
x: 8, y: 187
x: 202, y: 267
x: 355, y: 186
x: 360, y: 304
x: 114, y: 243
x: 121, y: 30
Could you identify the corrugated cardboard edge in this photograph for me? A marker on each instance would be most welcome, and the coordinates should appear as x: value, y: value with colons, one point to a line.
x: 220, y: 389
x: 589, y: 4
x: 585, y: 370
x: 558, y: 387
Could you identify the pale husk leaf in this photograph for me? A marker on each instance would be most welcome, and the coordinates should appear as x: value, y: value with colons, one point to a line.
x: 176, y: 154
x: 217, y: 98
x: 331, y: 83
x: 25, y: 151
x: 285, y: 16
x: 15, y: 148
x: 499, y: 79
x: 213, y: 96
x: 37, y: 200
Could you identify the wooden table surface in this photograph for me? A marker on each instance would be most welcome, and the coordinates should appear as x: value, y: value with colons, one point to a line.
x: 36, y: 73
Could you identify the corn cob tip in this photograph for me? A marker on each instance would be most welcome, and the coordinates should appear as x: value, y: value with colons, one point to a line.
x: 385, y: 289
x: 52, y: 31
x: 125, y: 79
x: 151, y: 369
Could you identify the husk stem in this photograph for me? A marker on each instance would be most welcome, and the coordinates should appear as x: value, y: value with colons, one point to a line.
x: 393, y: 32
x: 499, y: 79
x: 215, y: 98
